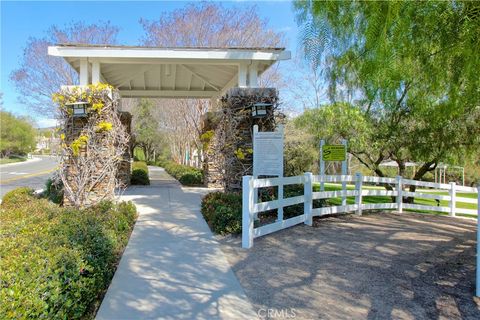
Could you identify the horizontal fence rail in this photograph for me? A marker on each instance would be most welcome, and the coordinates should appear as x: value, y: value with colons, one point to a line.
x: 399, y: 194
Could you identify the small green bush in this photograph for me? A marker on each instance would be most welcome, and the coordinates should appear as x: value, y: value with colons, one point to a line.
x: 184, y: 174
x: 17, y: 196
x: 140, y: 173
x: 223, y: 212
x: 191, y: 178
x: 55, y: 262
x: 140, y: 177
x: 54, y: 190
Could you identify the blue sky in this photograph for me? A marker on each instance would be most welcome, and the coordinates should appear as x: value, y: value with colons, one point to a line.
x: 21, y: 20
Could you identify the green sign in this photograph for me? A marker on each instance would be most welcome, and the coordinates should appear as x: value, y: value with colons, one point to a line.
x: 334, y: 152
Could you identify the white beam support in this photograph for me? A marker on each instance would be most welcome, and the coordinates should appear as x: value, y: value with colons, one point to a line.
x: 231, y: 83
x: 190, y: 82
x: 167, y: 94
x: 174, y: 72
x: 145, y: 81
x: 242, y: 75
x: 200, y: 77
x: 129, y: 77
x: 95, y: 72
x: 253, y: 75
x: 83, y: 72
x: 160, y: 77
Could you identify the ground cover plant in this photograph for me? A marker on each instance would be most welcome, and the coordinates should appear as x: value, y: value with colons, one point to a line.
x: 140, y: 173
x: 55, y: 262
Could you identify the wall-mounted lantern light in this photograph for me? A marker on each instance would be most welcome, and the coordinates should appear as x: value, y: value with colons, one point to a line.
x: 79, y: 109
x: 260, y: 110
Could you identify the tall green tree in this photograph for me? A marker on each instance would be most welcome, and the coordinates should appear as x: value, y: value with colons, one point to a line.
x: 147, y: 134
x: 17, y: 135
x: 409, y: 72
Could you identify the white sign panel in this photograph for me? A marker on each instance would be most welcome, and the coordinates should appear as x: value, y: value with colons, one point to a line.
x: 268, y: 152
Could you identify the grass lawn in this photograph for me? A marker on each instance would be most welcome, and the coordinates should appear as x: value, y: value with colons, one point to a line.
x: 387, y: 199
x: 11, y: 160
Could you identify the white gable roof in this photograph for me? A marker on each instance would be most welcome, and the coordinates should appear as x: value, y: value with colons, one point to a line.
x: 171, y: 72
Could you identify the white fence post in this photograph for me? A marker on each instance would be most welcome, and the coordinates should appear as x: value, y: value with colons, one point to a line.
x: 308, y: 194
x: 399, y: 194
x: 322, y: 165
x: 453, y: 196
x: 280, y: 198
x: 478, y: 242
x: 247, y: 211
x: 358, y: 188
x: 344, y: 172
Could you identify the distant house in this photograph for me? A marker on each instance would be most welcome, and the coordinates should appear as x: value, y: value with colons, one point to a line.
x: 48, y: 140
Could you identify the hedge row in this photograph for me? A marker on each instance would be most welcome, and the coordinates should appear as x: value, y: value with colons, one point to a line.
x: 56, y: 263
x: 223, y: 212
x: 184, y: 174
x: 140, y: 173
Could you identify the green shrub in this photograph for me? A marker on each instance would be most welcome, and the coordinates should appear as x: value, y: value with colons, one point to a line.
x: 191, y: 178
x: 17, y: 196
x: 56, y: 262
x: 139, y: 177
x: 140, y: 173
x: 140, y: 165
x: 186, y: 175
x: 162, y: 162
x: 223, y: 212
x: 54, y: 190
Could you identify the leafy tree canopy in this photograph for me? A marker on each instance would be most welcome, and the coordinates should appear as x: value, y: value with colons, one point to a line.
x: 411, y: 71
x: 147, y: 134
x: 17, y: 135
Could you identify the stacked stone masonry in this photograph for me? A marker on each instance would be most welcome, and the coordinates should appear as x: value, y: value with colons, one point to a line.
x: 229, y: 154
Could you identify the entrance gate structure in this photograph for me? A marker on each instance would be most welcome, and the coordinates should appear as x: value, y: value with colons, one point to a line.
x: 228, y: 75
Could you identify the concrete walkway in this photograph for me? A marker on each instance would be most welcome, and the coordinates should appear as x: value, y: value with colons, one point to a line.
x: 173, y: 268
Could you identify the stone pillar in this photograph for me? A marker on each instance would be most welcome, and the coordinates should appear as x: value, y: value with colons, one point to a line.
x: 125, y: 166
x: 94, y: 161
x: 229, y: 148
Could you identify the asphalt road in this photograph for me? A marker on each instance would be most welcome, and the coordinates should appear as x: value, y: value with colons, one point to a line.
x: 32, y: 173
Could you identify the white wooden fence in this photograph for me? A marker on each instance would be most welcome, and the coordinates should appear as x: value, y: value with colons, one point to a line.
x: 250, y: 208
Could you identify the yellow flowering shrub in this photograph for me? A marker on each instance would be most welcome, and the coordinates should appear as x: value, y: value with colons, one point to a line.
x: 97, y: 107
x: 93, y: 94
x: 78, y: 143
x: 239, y: 154
x: 104, y: 126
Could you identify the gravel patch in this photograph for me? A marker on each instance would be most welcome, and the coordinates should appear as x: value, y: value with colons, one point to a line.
x: 377, y: 266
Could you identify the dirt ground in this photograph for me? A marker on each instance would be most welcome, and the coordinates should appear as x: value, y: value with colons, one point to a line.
x: 378, y: 266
